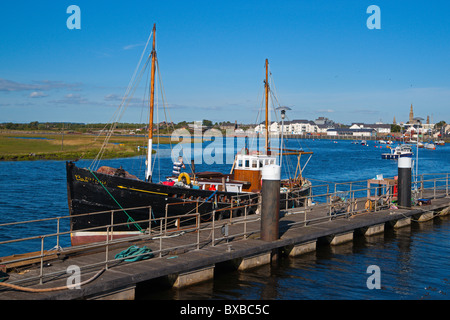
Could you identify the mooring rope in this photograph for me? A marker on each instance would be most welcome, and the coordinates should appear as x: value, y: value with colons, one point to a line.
x: 37, y: 290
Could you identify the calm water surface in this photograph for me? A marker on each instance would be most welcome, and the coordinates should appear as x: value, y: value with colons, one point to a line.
x: 414, y: 261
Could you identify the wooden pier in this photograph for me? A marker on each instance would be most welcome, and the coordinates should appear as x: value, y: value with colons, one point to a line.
x: 182, y: 257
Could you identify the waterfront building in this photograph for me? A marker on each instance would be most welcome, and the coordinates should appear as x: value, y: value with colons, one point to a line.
x: 365, y: 132
x: 378, y: 127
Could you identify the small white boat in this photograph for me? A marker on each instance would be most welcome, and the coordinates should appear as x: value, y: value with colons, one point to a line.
x: 403, y: 150
x: 419, y: 144
x: 430, y: 146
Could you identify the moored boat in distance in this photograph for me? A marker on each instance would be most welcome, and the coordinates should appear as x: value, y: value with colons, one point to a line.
x: 403, y: 150
x: 429, y: 146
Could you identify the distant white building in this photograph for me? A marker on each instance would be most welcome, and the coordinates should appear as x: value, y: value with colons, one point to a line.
x: 273, y: 127
x: 303, y: 126
x: 290, y: 127
x: 351, y: 132
x: 325, y: 121
x: 322, y: 128
x: 447, y: 129
x: 418, y: 127
x: 378, y: 127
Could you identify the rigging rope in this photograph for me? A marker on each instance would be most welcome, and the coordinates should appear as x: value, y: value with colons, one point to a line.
x: 120, y: 110
x: 129, y: 217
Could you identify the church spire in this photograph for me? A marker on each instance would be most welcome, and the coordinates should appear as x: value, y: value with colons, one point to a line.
x: 411, y: 115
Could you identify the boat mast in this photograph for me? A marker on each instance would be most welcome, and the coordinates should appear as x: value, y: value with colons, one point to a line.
x: 148, y: 174
x: 266, y: 85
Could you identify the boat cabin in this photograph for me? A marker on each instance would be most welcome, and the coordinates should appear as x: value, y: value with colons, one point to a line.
x: 248, y: 168
x: 253, y: 162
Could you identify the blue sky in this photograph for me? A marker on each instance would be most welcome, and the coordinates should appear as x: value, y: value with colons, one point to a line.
x: 323, y: 58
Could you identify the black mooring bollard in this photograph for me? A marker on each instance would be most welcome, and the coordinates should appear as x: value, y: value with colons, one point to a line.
x: 404, y: 182
x: 270, y: 203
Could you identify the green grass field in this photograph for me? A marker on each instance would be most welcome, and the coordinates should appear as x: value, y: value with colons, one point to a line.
x: 32, y: 146
x: 21, y: 145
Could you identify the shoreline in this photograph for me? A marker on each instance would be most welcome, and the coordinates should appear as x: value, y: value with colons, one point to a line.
x: 32, y: 146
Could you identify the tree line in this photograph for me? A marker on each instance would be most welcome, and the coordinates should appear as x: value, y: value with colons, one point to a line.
x: 83, y: 127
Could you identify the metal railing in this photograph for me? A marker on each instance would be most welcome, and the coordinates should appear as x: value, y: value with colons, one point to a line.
x: 340, y: 200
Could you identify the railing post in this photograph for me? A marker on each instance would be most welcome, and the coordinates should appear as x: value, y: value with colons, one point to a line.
x: 446, y: 186
x: 306, y: 203
x: 57, y: 234
x: 329, y: 205
x: 245, y: 222
x: 354, y: 202
x: 197, y: 222
x: 160, y: 236
x: 165, y: 220
x: 112, y: 224
x: 107, y: 247
x: 434, y: 189
x: 421, y: 185
x: 213, y: 227
x: 150, y: 221
x: 376, y: 199
x: 41, y: 271
x: 305, y: 217
x: 287, y: 201
x: 231, y: 210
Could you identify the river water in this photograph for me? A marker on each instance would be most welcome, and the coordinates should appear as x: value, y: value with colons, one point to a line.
x: 413, y: 262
